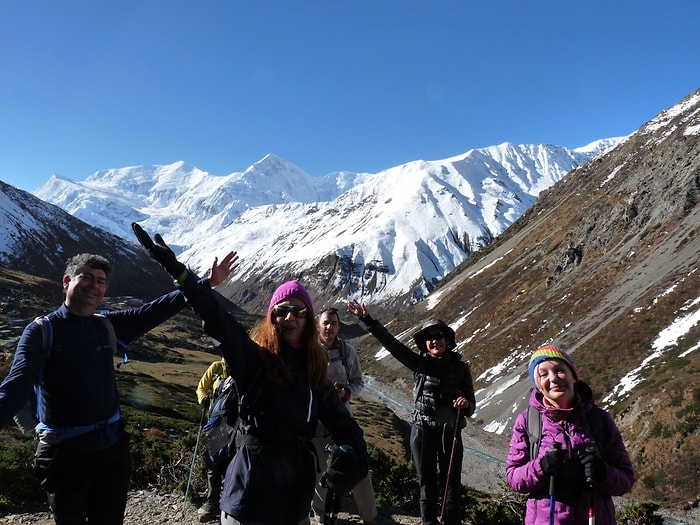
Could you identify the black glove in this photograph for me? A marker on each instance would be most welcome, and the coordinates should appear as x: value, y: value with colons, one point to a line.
x: 551, y: 460
x: 594, y: 469
x: 346, y: 469
x: 205, y: 403
x: 160, y: 252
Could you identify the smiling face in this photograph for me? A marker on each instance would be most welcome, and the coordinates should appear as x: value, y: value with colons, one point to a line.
x: 290, y: 316
x: 436, y: 341
x: 555, y: 381
x: 85, y: 291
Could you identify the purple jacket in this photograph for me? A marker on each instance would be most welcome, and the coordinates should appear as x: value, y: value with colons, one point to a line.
x: 573, y: 497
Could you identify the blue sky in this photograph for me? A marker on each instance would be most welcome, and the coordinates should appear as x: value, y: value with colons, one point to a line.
x: 328, y: 85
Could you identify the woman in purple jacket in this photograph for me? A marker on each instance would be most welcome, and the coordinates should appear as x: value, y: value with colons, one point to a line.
x: 586, y: 472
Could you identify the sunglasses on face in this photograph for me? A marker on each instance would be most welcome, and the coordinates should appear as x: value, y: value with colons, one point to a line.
x: 434, y: 336
x: 300, y: 312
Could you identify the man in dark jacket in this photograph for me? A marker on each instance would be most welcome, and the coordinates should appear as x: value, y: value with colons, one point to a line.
x: 82, y: 459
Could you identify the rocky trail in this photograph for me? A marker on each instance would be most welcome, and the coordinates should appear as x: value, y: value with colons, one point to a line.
x: 150, y: 507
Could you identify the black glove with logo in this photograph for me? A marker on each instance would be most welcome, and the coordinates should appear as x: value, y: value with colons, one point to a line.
x: 346, y: 469
x: 551, y: 461
x: 160, y: 252
x: 594, y: 469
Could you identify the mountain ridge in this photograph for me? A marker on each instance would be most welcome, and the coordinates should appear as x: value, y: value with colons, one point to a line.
x: 385, y: 220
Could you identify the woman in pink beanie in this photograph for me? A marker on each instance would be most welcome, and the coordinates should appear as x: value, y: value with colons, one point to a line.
x: 581, y: 460
x: 280, y: 373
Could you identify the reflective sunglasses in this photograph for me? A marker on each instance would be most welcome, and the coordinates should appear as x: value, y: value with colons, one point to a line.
x: 300, y: 312
x: 434, y: 336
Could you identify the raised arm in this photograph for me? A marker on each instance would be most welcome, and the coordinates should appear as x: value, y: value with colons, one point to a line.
x: 236, y: 346
x: 400, y: 351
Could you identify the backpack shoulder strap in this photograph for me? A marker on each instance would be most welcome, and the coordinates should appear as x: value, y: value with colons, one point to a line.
x: 110, y: 330
x: 533, y: 423
x: 344, y: 354
x: 46, y: 332
x: 47, y: 342
x: 534, y: 429
x: 598, y: 427
x: 28, y: 416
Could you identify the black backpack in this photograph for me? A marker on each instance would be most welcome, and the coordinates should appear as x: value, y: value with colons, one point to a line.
x: 533, y: 425
x: 223, y: 427
x: 220, y: 430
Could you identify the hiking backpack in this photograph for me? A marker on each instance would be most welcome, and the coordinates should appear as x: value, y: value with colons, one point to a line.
x: 219, y: 431
x: 222, y: 429
x: 533, y: 425
x: 28, y: 416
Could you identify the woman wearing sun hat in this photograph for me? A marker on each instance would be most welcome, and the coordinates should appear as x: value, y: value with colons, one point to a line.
x: 587, y: 473
x: 443, y: 397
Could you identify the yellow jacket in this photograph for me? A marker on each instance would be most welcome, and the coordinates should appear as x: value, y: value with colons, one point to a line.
x: 210, y: 380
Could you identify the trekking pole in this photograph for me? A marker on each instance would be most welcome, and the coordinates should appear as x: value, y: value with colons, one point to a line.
x: 194, y: 456
x: 332, y: 507
x: 449, y: 468
x: 591, y: 507
x: 552, y: 486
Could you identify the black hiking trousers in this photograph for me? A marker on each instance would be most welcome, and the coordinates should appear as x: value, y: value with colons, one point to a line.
x: 431, y: 448
x: 85, y: 487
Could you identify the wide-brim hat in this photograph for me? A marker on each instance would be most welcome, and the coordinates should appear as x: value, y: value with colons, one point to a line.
x: 421, y: 336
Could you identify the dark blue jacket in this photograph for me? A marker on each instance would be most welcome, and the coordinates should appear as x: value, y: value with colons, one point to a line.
x: 271, y: 478
x: 78, y: 384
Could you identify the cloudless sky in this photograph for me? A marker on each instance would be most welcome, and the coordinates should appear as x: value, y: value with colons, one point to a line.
x: 329, y: 85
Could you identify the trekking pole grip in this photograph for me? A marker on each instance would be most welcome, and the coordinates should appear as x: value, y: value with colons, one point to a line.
x: 589, y: 480
x: 552, y: 478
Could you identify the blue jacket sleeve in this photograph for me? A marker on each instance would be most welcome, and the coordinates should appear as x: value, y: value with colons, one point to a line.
x: 134, y: 322
x: 17, y: 387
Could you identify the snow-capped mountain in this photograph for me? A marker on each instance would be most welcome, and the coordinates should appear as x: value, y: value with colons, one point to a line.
x: 393, y: 234
x: 37, y: 238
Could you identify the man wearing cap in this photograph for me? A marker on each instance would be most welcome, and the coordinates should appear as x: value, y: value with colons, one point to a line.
x: 443, y: 398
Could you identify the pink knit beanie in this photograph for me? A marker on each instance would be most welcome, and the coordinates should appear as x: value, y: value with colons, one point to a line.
x: 291, y: 289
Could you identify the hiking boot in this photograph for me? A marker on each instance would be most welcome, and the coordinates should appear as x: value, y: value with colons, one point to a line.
x: 208, y: 511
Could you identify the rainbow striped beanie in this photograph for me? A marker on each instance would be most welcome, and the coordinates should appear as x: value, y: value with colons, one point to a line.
x: 545, y: 353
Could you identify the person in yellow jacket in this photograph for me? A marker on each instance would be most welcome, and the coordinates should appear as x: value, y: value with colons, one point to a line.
x: 205, y: 392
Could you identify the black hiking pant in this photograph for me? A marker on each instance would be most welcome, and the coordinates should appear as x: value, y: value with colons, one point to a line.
x: 431, y: 448
x: 85, y: 486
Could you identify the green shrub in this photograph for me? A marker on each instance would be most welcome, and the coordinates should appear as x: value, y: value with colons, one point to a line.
x: 480, y: 508
x: 639, y: 514
x: 395, y: 484
x: 18, y: 486
x: 655, y: 480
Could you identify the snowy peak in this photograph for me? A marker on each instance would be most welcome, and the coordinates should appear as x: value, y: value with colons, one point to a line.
x: 416, y: 222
